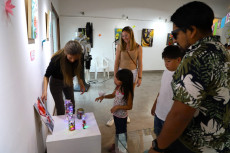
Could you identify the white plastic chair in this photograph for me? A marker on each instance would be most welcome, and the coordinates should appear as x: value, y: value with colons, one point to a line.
x: 101, y: 63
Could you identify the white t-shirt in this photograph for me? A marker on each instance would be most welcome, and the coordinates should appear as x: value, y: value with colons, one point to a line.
x: 164, y: 100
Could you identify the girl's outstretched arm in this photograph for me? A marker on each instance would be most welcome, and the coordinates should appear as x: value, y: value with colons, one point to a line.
x: 109, y: 96
x: 129, y: 105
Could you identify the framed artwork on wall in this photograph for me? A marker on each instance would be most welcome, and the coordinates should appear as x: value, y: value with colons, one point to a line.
x: 32, y: 18
x: 147, y: 37
x: 169, y: 39
x: 118, y: 32
x: 48, y: 24
x: 227, y: 18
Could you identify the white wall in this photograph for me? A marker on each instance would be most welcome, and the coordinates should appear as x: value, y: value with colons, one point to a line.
x: 103, y: 45
x: 106, y: 15
x: 21, y: 81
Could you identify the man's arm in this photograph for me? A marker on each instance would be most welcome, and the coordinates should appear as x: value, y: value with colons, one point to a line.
x: 177, y: 120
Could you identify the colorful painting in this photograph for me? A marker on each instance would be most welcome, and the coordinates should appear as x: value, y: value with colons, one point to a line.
x: 223, y: 22
x: 219, y: 24
x: 215, y: 28
x: 32, y: 18
x: 227, y: 18
x: 44, y: 114
x: 118, y: 32
x: 169, y: 39
x: 147, y: 37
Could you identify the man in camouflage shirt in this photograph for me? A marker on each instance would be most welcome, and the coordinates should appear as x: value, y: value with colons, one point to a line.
x: 199, y: 120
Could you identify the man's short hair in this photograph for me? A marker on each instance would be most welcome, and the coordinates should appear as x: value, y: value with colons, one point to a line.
x: 196, y: 14
x: 172, y: 52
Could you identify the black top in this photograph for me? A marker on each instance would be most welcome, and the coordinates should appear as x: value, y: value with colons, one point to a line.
x: 54, y: 68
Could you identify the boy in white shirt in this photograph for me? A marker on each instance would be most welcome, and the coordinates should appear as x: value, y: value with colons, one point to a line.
x: 172, y: 56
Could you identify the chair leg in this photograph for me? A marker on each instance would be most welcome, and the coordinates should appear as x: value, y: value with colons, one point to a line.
x: 95, y: 75
x: 108, y: 74
x: 88, y: 75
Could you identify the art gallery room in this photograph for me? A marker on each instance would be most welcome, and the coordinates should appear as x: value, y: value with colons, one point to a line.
x: 32, y: 31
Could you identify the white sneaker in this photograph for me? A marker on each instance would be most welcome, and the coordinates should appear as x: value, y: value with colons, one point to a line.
x: 110, y: 122
x: 128, y: 119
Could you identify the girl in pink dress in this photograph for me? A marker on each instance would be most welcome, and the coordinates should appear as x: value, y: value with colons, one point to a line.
x: 123, y: 100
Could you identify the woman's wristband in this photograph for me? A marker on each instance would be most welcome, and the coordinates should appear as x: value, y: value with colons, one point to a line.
x: 140, y: 78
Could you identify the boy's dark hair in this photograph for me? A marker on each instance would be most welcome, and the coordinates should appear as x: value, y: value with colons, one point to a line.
x: 196, y: 14
x: 126, y: 77
x: 172, y: 52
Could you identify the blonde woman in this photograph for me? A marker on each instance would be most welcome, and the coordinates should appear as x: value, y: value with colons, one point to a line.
x: 64, y: 65
x: 128, y: 56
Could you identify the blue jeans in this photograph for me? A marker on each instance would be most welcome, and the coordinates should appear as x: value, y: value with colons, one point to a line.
x: 158, y: 124
x: 176, y: 146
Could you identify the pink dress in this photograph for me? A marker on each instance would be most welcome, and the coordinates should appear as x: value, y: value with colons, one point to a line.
x: 119, y: 101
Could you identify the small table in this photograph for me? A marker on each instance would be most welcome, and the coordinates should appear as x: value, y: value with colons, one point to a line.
x: 136, y: 142
x: 80, y: 140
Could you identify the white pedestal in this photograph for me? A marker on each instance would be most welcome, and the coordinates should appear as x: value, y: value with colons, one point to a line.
x: 79, y: 141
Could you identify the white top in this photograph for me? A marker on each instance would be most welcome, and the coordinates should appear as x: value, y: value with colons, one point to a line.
x: 119, y: 101
x: 164, y: 100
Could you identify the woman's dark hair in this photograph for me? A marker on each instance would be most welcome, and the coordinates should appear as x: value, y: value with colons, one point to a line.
x: 172, y: 52
x: 126, y: 77
x: 196, y: 14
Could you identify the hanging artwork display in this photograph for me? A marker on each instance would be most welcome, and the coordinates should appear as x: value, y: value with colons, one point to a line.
x: 44, y: 114
x: 48, y: 24
x: 118, y: 32
x: 89, y: 32
x: 215, y: 28
x: 227, y: 18
x: 32, y: 18
x: 223, y: 22
x: 169, y: 39
x: 147, y: 37
x: 219, y: 24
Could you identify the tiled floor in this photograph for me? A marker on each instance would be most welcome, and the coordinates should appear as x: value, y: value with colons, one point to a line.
x: 140, y: 114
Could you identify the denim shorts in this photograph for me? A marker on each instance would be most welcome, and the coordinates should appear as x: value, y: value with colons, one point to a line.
x: 158, y: 124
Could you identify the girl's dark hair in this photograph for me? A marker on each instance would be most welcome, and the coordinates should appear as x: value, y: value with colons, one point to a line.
x: 196, y: 14
x: 126, y: 77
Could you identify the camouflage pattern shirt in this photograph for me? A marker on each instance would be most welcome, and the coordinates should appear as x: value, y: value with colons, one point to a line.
x: 202, y: 81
